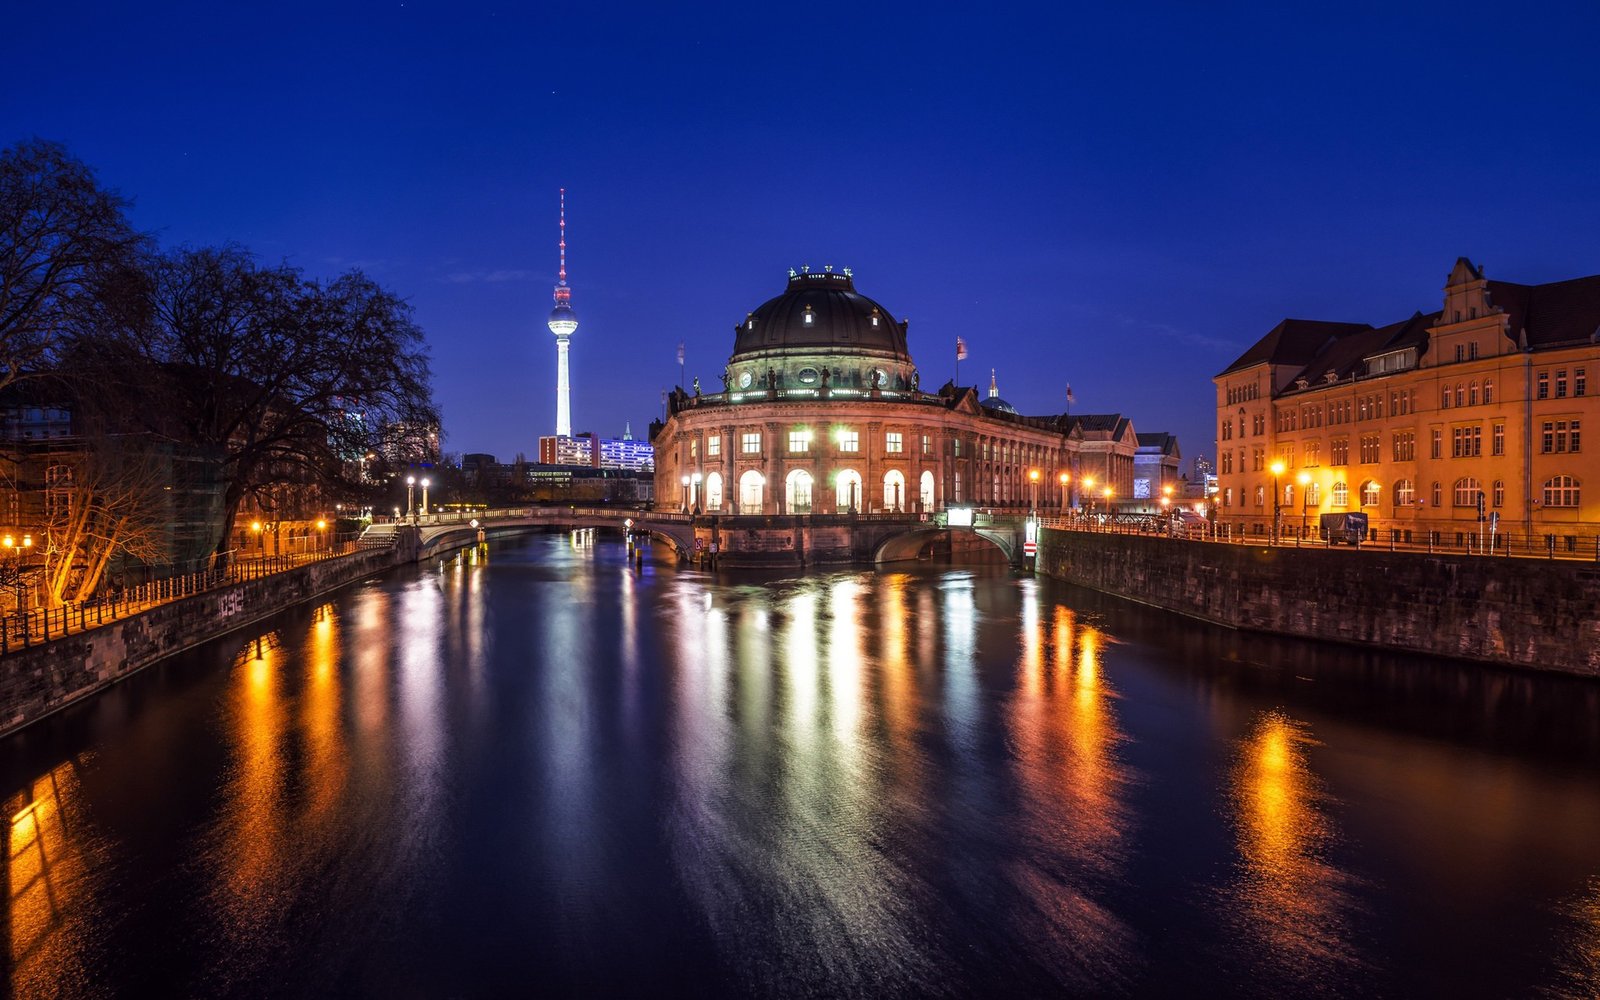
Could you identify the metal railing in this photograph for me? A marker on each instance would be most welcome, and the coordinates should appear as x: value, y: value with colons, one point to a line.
x: 30, y: 627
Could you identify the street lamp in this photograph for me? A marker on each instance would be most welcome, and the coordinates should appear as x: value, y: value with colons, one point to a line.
x: 1033, y: 486
x: 1305, y: 499
x: 411, y: 486
x: 686, y: 494
x: 322, y: 528
x: 1064, y: 479
x: 694, y: 491
x: 16, y: 578
x: 1277, y: 499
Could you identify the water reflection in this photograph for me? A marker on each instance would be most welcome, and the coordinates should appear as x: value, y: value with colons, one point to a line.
x: 1579, y: 962
x: 1071, y: 788
x: 52, y: 886
x: 1288, y: 896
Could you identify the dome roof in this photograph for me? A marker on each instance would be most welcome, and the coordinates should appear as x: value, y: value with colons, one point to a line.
x: 998, y: 404
x: 821, y: 311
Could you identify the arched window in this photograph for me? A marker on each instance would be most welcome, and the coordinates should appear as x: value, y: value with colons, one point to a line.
x: 1499, y: 492
x: 1472, y: 393
x: 925, y: 494
x: 1371, y: 493
x: 752, y: 492
x: 1488, y: 391
x: 1461, y: 394
x: 1314, y: 495
x: 797, y: 492
x: 1261, y: 496
x: 1467, y: 492
x: 847, y: 492
x: 894, y: 491
x: 714, y: 491
x: 1288, y: 495
x: 1405, y: 493
x: 1444, y: 398
x: 1227, y: 497
x: 1438, y: 495
x: 1341, y: 495
x: 1562, y: 491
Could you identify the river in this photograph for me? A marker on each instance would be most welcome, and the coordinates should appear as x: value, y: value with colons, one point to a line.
x: 544, y: 772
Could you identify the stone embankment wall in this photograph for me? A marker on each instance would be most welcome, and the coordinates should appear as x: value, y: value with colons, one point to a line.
x: 35, y: 682
x: 1521, y: 612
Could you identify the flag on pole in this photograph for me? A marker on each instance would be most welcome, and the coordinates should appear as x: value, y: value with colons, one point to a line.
x: 1070, y: 397
x: 961, y: 349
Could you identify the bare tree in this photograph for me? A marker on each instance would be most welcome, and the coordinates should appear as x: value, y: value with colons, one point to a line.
x: 282, y: 377
x: 103, y: 501
x: 66, y: 252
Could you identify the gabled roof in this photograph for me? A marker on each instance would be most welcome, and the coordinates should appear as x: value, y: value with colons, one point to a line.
x: 1294, y: 342
x: 1560, y: 312
x: 1103, y: 425
x: 1162, y: 441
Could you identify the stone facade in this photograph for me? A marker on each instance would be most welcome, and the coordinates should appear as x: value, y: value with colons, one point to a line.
x: 1517, y: 612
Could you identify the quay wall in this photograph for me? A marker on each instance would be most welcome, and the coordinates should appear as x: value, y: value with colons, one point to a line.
x: 37, y: 681
x: 1518, y: 612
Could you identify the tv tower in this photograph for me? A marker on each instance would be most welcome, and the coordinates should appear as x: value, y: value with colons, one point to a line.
x: 563, y: 322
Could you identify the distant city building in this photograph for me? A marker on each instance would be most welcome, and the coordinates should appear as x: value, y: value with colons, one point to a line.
x: 608, y: 453
x: 822, y: 411
x: 1440, y: 423
x: 558, y: 483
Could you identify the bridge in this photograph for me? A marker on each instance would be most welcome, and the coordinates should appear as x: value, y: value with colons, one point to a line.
x: 800, y: 539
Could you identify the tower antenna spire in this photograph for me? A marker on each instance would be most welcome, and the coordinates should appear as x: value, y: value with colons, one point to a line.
x: 562, y: 274
x: 563, y: 323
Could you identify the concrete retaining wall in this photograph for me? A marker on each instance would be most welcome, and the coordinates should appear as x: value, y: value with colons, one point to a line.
x: 1520, y: 612
x: 35, y: 682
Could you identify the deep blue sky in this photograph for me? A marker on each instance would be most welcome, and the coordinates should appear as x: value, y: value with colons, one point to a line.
x: 1122, y: 197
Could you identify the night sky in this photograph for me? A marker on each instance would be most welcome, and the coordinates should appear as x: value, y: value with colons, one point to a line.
x: 1114, y: 196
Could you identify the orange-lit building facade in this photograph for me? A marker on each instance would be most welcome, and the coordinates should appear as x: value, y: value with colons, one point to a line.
x: 1465, y: 417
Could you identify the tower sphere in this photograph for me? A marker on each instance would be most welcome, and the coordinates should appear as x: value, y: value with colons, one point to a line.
x: 563, y: 321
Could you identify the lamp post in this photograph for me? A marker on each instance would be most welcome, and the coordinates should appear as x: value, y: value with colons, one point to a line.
x: 686, y: 494
x: 1033, y: 487
x: 1088, y: 487
x: 1064, y: 479
x: 411, y: 486
x: 1305, y: 499
x: 694, y: 491
x: 424, y: 496
x: 322, y: 528
x: 1108, y: 493
x: 16, y: 572
x: 1277, y: 499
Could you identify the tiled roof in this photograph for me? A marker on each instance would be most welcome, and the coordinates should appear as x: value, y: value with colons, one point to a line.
x: 1294, y: 342
x: 1561, y: 312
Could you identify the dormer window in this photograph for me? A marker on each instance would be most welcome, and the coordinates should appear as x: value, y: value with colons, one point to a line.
x: 808, y: 316
x: 874, y: 317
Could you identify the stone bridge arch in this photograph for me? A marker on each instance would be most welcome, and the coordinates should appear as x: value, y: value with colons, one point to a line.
x: 904, y: 546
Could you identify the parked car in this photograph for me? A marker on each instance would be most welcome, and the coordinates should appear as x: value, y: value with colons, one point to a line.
x: 1349, y: 528
x: 1188, y: 524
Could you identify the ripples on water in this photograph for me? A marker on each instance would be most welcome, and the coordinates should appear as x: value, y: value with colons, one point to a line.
x: 544, y: 772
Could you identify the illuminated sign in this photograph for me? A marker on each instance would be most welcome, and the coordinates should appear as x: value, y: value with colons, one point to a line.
x: 960, y: 517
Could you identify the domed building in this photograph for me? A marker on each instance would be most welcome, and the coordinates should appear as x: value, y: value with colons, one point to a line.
x: 823, y: 411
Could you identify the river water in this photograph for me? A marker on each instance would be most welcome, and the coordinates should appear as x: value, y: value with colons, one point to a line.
x: 544, y: 772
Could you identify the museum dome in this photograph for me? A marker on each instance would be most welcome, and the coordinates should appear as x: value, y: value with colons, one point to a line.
x: 821, y: 311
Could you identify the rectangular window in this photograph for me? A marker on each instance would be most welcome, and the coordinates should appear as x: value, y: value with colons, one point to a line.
x: 1340, y: 452
x: 714, y: 445
x: 799, y: 441
x: 1580, y: 383
x: 694, y: 449
x: 849, y: 440
x: 891, y: 443
x: 1547, y: 440
x: 1561, y: 435
x: 1543, y: 391
x: 1456, y: 434
x: 1499, y: 493
x: 1499, y: 442
x: 1472, y: 351
x: 750, y: 444
x: 927, y: 445
x: 1461, y: 352
x: 1438, y: 444
x: 1561, y: 384
x: 1573, y: 440
x: 956, y: 443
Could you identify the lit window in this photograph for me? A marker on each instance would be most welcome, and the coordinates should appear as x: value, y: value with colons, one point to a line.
x: 849, y: 440
x: 808, y: 316
x: 1467, y: 492
x: 1405, y: 493
x: 714, y: 445
x: 1562, y: 491
x: 892, y: 443
x: 1341, y: 495
x: 799, y: 440
x: 1370, y: 493
x: 927, y: 445
x: 750, y: 444
x: 1499, y: 493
